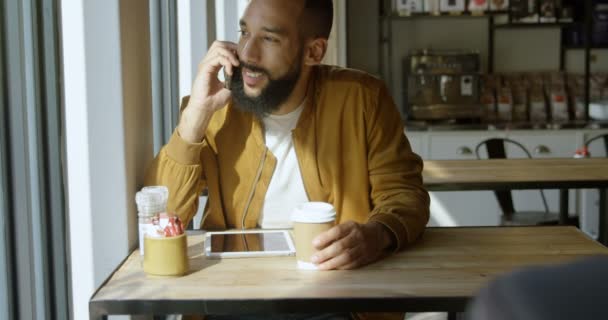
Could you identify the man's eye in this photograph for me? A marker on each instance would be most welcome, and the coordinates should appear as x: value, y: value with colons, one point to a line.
x: 244, y: 33
x: 271, y: 39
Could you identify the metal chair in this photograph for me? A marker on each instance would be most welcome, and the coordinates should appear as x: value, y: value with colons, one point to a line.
x: 596, y: 138
x: 496, y: 150
x: 602, y: 232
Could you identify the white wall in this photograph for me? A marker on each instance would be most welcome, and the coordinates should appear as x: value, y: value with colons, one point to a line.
x: 227, y: 15
x: 336, y: 50
x: 106, y: 96
x: 193, y: 40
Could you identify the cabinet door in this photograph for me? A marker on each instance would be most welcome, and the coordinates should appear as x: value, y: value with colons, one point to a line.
x: 455, y: 146
x: 543, y: 144
x: 461, y: 208
x: 589, y: 204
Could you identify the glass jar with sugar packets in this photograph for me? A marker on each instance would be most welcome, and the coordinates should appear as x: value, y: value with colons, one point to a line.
x: 151, y: 201
x: 166, y: 247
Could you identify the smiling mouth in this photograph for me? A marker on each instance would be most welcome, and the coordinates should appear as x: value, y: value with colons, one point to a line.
x: 253, y: 79
x: 252, y: 74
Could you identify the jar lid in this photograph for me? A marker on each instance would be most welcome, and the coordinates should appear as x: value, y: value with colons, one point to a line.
x: 164, y: 191
x: 150, y: 203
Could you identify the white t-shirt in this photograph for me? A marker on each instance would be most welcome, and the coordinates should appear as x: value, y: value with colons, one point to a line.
x: 286, y: 189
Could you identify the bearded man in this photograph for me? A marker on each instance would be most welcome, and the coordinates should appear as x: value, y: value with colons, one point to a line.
x: 289, y: 130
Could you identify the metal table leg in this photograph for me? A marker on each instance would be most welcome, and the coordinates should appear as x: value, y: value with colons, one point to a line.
x: 563, y: 206
x: 603, y: 224
x: 96, y: 313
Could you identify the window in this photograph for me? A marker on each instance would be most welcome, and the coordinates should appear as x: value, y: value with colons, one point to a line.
x: 32, y: 238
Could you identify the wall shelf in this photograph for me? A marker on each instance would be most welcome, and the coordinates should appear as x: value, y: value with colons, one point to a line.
x: 465, y: 14
x: 594, y: 47
x: 496, y: 21
x: 537, y: 25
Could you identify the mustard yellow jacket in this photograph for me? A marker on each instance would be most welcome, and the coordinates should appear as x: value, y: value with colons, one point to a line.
x: 351, y: 150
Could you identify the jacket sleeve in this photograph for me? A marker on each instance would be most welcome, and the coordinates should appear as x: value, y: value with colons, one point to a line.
x: 178, y: 167
x: 399, y: 199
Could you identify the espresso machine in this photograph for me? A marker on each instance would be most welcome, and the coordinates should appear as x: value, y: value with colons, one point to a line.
x: 442, y: 85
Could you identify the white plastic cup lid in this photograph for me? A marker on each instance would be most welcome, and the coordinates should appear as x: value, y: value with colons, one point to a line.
x: 314, y: 212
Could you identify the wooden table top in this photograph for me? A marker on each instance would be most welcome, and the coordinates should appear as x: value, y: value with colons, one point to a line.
x: 440, y: 272
x: 496, y: 174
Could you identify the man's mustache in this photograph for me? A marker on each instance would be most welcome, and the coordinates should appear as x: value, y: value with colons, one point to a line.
x: 254, y: 68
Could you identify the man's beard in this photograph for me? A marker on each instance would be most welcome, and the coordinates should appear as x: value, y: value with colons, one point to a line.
x: 271, y: 97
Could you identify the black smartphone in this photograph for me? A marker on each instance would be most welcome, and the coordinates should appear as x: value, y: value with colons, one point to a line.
x: 227, y: 80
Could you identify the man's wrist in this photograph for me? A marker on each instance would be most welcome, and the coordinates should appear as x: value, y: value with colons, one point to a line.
x: 189, y: 135
x: 192, y: 125
x: 386, y: 237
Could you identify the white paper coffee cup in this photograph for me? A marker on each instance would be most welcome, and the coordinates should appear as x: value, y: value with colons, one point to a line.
x: 309, y: 220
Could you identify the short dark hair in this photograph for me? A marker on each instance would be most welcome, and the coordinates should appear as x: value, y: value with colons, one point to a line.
x: 317, y: 18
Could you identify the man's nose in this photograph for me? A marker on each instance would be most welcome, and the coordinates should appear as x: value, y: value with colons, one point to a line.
x: 250, y: 52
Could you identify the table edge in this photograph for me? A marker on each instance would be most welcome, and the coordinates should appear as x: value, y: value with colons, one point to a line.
x: 266, y: 306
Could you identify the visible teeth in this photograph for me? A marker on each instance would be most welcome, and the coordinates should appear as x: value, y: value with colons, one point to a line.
x: 253, y: 74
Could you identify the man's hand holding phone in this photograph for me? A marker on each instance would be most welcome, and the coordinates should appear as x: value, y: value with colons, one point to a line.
x: 208, y: 92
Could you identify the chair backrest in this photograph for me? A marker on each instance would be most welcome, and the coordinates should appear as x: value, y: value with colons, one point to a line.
x: 496, y: 150
x: 601, y: 136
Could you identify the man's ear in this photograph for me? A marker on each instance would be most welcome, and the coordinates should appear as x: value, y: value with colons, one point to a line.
x: 315, y: 51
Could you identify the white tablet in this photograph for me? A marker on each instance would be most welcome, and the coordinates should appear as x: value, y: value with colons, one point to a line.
x: 248, y: 243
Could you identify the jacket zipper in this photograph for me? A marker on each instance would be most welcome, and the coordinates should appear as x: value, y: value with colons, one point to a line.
x: 253, y: 187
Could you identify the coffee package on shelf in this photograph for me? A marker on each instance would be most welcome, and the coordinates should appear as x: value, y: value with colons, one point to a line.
x: 595, y: 88
x: 523, y: 11
x: 505, y: 102
x: 519, y: 96
x: 488, y: 100
x: 487, y: 97
x: 453, y: 6
x: 556, y: 91
x: 408, y: 7
x: 499, y: 5
x: 478, y: 6
x: 600, y: 80
x: 432, y: 7
x: 598, y: 96
x: 536, y: 101
x: 565, y: 12
x: 548, y: 11
x: 575, y: 88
